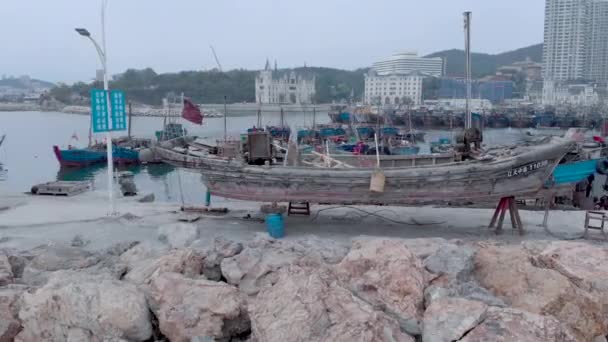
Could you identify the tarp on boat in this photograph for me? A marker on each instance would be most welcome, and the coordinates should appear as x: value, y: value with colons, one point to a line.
x: 574, y: 172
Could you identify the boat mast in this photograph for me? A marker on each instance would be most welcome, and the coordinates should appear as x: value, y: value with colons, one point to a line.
x: 467, y: 51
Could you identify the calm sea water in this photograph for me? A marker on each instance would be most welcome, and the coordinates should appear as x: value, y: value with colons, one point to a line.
x: 27, y: 157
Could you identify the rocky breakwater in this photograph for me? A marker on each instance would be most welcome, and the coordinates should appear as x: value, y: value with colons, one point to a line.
x: 310, y: 289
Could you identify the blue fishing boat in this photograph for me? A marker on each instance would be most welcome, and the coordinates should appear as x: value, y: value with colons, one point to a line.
x: 79, y: 157
x: 124, y: 155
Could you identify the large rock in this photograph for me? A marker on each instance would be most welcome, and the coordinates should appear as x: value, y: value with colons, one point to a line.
x: 178, y: 235
x: 508, y: 272
x: 444, y: 286
x: 187, y: 308
x: 448, y: 319
x: 188, y: 262
x: 452, y: 260
x: 388, y: 275
x: 56, y: 257
x: 424, y: 247
x: 257, y: 264
x: 584, y: 264
x: 219, y: 249
x: 308, y: 304
x: 6, y: 271
x: 73, y: 305
x: 141, y: 252
x: 508, y: 325
x: 10, y: 302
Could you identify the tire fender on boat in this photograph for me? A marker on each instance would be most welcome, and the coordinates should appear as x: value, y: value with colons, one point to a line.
x: 602, y: 167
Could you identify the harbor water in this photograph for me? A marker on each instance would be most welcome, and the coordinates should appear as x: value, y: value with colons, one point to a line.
x: 27, y: 157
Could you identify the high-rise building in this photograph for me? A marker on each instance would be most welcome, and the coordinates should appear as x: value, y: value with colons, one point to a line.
x: 408, y: 62
x: 576, y: 40
x: 565, y: 40
x: 597, y: 59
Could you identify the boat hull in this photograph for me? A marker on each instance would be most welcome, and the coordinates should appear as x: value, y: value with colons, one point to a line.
x: 474, y: 181
x: 86, y: 157
x: 78, y: 157
x: 124, y: 156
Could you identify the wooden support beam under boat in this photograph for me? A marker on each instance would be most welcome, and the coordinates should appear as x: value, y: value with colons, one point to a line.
x: 506, y: 204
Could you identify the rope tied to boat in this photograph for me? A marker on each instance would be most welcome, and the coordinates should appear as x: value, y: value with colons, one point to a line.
x: 412, y: 222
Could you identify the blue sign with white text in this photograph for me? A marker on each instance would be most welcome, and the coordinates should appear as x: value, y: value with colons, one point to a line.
x: 99, y: 111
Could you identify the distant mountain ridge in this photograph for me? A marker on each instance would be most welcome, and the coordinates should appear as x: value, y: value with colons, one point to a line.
x: 487, y: 64
x: 18, y: 83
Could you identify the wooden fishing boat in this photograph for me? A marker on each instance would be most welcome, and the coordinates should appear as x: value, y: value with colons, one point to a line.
x: 520, y: 171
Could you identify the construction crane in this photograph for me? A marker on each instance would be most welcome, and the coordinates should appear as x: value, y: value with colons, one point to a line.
x: 216, y: 59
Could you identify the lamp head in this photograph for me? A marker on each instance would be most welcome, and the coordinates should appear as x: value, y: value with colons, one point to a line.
x: 83, y: 32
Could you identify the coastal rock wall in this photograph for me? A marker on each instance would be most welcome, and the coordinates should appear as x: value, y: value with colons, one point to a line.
x: 308, y: 289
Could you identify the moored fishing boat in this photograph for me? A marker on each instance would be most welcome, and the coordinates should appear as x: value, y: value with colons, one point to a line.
x: 520, y: 172
x: 79, y: 157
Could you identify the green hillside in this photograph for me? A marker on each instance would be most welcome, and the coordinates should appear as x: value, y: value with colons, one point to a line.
x: 486, y: 64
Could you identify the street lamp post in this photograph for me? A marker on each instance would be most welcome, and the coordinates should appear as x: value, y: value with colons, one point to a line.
x: 101, y: 51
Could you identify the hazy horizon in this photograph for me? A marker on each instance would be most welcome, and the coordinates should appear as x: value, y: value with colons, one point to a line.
x: 171, y: 38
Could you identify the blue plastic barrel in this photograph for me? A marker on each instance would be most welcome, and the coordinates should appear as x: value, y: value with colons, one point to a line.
x: 274, y: 225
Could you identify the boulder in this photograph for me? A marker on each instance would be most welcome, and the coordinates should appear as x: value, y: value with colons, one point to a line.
x: 149, y: 198
x: 509, y: 273
x: 507, y: 325
x: 10, y: 302
x: 219, y: 249
x: 188, y: 308
x: 262, y: 257
x: 424, y: 247
x: 141, y: 252
x: 75, y: 304
x: 56, y: 257
x: 9, y: 328
x: 178, y: 235
x: 443, y: 287
x: 188, y: 262
x: 307, y: 304
x: 6, y: 271
x: 448, y: 319
x: 452, y: 260
x: 388, y: 275
x: 584, y: 264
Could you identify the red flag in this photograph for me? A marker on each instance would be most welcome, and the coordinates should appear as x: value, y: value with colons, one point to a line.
x: 192, y: 113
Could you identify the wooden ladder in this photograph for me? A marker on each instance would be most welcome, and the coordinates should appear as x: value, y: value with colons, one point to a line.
x: 298, y: 208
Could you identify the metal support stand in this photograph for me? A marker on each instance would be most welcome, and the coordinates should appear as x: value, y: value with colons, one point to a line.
x: 506, y: 204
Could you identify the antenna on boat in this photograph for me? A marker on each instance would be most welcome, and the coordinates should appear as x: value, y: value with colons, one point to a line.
x: 467, y: 51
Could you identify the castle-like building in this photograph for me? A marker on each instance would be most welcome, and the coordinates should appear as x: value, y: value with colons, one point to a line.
x: 284, y: 86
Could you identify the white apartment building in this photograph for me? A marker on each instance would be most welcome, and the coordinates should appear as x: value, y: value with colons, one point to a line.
x: 597, y: 61
x: 393, y: 89
x: 408, y: 62
x: 576, y: 40
x: 564, y: 48
x: 284, y: 87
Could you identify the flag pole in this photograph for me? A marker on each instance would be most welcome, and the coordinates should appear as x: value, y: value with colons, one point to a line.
x: 225, y: 120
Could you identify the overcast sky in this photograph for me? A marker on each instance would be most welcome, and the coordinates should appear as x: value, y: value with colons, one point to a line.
x: 37, y: 36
